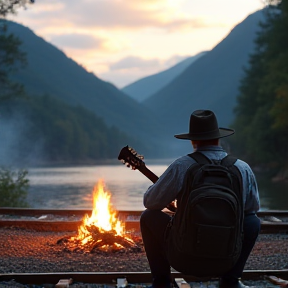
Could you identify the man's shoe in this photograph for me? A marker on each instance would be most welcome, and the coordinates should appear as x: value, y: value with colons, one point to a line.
x: 238, y: 284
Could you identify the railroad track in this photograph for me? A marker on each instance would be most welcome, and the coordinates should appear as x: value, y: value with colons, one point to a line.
x: 68, y: 220
x: 273, y: 221
x: 131, y: 277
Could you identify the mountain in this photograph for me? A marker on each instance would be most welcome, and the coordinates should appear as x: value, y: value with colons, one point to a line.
x: 51, y: 72
x: 145, y: 87
x: 211, y: 82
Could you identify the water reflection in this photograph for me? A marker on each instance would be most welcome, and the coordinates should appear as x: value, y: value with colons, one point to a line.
x: 273, y: 195
x: 71, y: 187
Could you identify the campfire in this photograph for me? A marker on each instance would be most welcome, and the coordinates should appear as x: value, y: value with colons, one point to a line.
x: 102, y: 231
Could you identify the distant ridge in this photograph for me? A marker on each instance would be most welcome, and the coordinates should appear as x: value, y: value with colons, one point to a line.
x: 147, y: 86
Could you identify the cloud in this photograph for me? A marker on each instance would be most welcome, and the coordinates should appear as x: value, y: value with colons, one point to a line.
x: 128, y: 15
x: 109, y: 14
x: 125, y: 77
x: 131, y: 62
x: 135, y: 62
x: 130, y: 69
x: 124, y: 38
x: 119, y: 14
x: 77, y: 41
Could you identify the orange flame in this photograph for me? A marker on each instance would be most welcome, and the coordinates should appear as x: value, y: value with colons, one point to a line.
x: 103, y: 217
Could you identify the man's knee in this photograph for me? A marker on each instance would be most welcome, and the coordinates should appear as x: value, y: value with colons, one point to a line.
x: 251, y: 227
x: 147, y: 215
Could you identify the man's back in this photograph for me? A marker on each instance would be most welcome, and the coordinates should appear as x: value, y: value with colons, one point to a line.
x: 205, y: 238
x: 171, y: 181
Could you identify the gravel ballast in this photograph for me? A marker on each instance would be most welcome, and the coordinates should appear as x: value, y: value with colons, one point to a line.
x: 29, y: 251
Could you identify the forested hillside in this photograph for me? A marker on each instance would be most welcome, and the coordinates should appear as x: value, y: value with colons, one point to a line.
x: 41, y: 130
x: 262, y: 105
x: 49, y: 71
x: 37, y: 129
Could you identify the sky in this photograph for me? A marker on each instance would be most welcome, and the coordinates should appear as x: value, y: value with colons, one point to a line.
x: 122, y: 41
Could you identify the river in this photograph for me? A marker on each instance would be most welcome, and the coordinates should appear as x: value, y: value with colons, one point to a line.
x: 72, y: 187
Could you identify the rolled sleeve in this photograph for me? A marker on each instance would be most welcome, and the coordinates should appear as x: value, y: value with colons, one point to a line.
x: 167, y: 187
x: 250, y: 188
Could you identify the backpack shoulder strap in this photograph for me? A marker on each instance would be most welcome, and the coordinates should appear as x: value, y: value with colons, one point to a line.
x: 228, y: 161
x: 200, y: 158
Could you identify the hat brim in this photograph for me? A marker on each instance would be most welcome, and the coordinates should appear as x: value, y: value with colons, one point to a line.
x: 220, y: 133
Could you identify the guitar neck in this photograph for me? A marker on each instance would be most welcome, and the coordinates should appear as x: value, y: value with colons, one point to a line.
x: 148, y: 173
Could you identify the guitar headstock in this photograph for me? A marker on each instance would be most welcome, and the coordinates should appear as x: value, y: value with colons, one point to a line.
x: 131, y: 158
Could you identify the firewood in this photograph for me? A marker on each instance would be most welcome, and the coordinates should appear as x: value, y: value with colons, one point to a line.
x: 104, y: 241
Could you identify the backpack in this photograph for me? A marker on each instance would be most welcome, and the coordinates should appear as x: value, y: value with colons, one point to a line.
x: 204, y: 237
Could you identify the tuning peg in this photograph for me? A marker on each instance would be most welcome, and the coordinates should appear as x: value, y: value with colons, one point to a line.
x: 141, y: 157
x: 128, y: 165
x: 123, y: 161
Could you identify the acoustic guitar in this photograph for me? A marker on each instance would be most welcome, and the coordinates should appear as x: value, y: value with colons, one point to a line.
x: 134, y: 160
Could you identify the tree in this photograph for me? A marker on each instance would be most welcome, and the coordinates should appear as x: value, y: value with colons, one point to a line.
x: 11, y: 57
x: 13, y: 188
x: 13, y: 184
x: 10, y: 6
x: 261, y: 117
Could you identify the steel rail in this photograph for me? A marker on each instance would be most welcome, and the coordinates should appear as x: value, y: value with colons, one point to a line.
x: 266, y: 228
x: 130, y: 218
x: 111, y: 277
x: 82, y: 212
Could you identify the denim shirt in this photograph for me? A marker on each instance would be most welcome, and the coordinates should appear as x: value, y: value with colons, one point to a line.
x: 166, y: 189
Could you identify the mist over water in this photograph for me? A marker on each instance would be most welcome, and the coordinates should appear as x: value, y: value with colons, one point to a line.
x: 72, y: 187
x: 16, y: 149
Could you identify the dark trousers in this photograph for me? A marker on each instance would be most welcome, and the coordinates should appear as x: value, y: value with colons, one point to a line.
x: 153, y: 224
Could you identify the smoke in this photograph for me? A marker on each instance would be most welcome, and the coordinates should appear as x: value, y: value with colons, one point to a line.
x: 18, y: 147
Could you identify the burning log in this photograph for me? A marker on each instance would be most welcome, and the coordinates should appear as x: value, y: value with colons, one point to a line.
x: 102, y: 242
x: 106, y: 242
x: 101, y: 231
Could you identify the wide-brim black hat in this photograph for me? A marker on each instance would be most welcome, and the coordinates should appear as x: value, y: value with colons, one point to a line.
x: 204, y: 126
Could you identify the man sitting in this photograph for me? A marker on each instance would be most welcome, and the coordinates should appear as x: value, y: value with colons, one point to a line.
x: 204, y: 135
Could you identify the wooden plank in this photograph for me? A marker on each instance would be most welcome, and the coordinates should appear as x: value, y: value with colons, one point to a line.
x: 132, y: 277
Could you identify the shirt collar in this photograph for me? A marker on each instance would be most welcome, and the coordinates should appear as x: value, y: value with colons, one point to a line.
x: 210, y: 148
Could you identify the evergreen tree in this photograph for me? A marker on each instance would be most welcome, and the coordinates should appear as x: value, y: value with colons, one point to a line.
x: 261, y: 118
x: 13, y: 184
x: 11, y: 56
x: 13, y: 188
x: 10, y: 6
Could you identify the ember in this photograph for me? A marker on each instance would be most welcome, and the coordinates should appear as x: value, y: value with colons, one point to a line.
x: 102, y: 231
